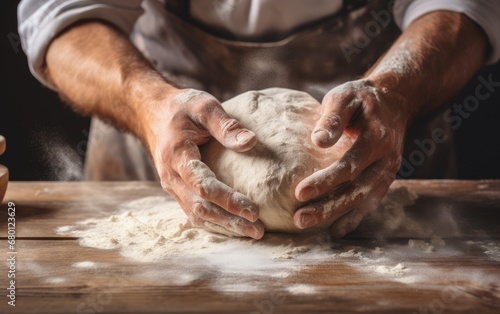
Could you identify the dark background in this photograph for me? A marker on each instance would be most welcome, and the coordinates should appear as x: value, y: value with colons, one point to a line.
x: 45, y: 138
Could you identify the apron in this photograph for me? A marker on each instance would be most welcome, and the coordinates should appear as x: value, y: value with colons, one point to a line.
x: 312, y: 59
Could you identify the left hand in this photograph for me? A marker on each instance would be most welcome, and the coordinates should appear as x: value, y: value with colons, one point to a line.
x: 352, y: 187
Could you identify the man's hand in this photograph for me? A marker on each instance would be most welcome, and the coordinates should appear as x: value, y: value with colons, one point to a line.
x: 429, y: 63
x: 112, y: 80
x: 352, y: 187
x: 176, y: 126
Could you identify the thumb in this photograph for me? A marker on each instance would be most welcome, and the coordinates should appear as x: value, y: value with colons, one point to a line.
x: 338, y: 111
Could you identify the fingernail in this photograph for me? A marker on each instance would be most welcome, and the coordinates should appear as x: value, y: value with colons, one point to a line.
x: 322, y: 135
x: 307, y: 194
x: 252, y: 232
x: 307, y: 220
x: 248, y: 214
x: 244, y: 137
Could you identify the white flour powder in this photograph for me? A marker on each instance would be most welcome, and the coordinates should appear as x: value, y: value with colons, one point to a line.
x: 154, y: 230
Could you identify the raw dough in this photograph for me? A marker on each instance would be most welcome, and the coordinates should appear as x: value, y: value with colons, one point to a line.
x: 282, y: 120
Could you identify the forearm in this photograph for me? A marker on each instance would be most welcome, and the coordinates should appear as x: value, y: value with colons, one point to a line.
x: 98, y: 71
x: 431, y: 61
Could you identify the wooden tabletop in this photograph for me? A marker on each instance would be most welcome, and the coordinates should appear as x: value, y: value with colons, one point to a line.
x: 464, y: 277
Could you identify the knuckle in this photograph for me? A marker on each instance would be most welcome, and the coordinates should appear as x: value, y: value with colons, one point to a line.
x: 206, y: 105
x: 201, y: 179
x: 388, y: 176
x: 188, y: 95
x: 199, y: 210
x: 185, y: 154
x: 165, y: 185
x: 228, y: 125
x: 330, y: 96
x: 200, y: 186
x: 394, y: 164
x: 387, y: 139
x: 161, y: 155
x: 333, y: 120
x: 166, y: 180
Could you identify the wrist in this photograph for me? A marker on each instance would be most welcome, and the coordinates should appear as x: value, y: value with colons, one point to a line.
x: 147, y: 93
x: 401, y: 96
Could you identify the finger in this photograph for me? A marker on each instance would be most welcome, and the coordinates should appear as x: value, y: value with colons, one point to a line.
x: 329, y: 210
x: 338, y: 109
x: 362, y: 154
x: 208, y: 216
x: 211, y: 215
x: 227, y: 130
x: 350, y: 221
x: 347, y: 223
x: 373, y: 181
x: 205, y: 184
x: 207, y: 225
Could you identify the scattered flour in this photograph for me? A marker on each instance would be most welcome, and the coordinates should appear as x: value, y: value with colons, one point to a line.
x: 63, y: 229
x: 155, y: 231
x: 491, y: 249
x: 154, y: 228
x: 421, y: 245
x: 55, y: 280
x: 85, y: 264
x: 437, y: 241
x: 398, y: 269
x: 428, y: 247
x: 302, y: 289
x: 350, y: 253
x: 289, y: 251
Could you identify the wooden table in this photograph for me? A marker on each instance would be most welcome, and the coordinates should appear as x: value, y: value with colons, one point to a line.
x: 44, y: 256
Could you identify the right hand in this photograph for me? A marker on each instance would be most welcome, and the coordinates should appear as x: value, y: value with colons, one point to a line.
x: 174, y: 128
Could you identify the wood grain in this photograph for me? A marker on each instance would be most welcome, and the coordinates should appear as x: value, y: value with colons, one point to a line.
x: 49, y: 282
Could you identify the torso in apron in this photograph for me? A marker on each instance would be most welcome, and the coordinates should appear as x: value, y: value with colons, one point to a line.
x: 314, y: 59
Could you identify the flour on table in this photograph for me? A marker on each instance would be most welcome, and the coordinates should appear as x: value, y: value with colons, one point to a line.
x: 55, y: 280
x: 391, y: 218
x: 302, y: 289
x: 155, y: 232
x: 398, y: 269
x: 282, y: 121
x: 437, y: 241
x: 421, y: 245
x: 154, y: 228
x: 85, y: 264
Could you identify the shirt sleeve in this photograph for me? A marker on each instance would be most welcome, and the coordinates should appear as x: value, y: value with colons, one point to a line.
x: 39, y: 21
x: 485, y: 13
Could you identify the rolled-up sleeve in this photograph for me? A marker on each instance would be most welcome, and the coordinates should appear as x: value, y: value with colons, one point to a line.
x: 485, y: 13
x: 40, y: 20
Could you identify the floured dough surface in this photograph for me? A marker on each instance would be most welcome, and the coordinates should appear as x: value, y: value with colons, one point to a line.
x: 282, y: 120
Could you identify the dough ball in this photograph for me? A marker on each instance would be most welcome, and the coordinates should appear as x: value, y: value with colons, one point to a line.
x: 282, y: 120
